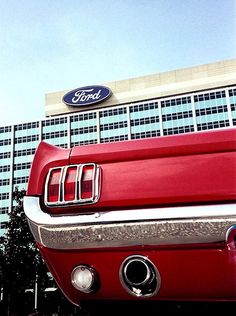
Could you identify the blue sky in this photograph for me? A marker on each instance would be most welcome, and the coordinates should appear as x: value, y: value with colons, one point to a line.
x: 52, y: 45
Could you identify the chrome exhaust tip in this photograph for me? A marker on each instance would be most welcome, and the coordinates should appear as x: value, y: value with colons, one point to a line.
x: 139, y: 276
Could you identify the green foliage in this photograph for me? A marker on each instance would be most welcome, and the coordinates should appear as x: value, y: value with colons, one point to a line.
x: 22, y: 257
x: 20, y: 260
x: 20, y: 264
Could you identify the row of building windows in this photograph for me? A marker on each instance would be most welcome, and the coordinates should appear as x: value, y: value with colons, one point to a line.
x: 24, y: 152
x: 143, y: 107
x: 55, y: 121
x: 84, y: 130
x: 20, y: 180
x: 22, y: 166
x: 212, y: 110
x: 212, y: 125
x: 24, y: 126
x: 176, y: 116
x: 5, y: 129
x: 232, y: 92
x: 112, y: 112
x: 84, y: 142
x: 3, y: 210
x: 83, y: 117
x: 145, y: 134
x: 3, y: 225
x: 4, y: 182
x: 174, y: 102
x: 54, y: 134
x: 5, y: 168
x: 63, y: 145
x: 26, y: 139
x: 5, y: 155
x: 209, y: 96
x: 111, y: 126
x: 144, y: 121
x: 114, y: 139
x: 5, y: 142
x: 4, y: 196
x: 178, y: 130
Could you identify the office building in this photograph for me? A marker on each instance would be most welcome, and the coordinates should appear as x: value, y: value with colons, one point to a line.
x: 182, y: 101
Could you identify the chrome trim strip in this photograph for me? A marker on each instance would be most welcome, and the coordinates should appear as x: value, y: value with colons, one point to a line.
x: 163, y: 226
x: 77, y: 182
x: 36, y: 215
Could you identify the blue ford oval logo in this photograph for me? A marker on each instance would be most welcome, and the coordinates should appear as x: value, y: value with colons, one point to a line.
x: 86, y: 95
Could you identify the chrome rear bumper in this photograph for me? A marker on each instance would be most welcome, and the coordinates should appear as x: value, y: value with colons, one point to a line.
x: 156, y: 226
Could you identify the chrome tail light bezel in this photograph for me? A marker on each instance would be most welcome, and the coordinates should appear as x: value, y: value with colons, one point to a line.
x: 78, y: 200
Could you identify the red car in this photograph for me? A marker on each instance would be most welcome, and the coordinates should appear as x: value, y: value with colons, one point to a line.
x: 145, y: 219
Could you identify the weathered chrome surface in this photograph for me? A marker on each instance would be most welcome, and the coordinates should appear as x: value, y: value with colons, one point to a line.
x: 205, y: 230
x: 160, y: 226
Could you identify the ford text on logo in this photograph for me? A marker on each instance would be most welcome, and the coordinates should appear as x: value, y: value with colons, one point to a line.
x: 86, y: 95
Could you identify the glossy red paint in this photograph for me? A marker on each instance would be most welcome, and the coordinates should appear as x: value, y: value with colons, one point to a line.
x: 48, y: 156
x: 151, y: 172
x: 187, y: 273
x: 188, y: 169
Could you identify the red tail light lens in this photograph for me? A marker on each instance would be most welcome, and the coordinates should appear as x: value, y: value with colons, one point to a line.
x: 70, y: 184
x: 87, y: 182
x: 54, y: 185
x: 77, y: 184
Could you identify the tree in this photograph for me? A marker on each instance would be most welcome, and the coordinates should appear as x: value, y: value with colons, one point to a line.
x: 22, y: 262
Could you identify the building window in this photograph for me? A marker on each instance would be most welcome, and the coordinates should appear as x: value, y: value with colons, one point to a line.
x: 56, y: 121
x: 22, y: 166
x: 113, y: 125
x: 144, y: 120
x: 24, y: 152
x: 5, y: 168
x: 26, y: 139
x: 84, y: 143
x: 211, y: 110
x: 145, y: 135
x: 20, y: 180
x: 4, y: 196
x: 232, y: 98
x: 5, y: 142
x: 3, y: 210
x: 83, y: 129
x: 4, y: 182
x: 114, y: 139
x: 25, y: 126
x: 52, y: 135
x: 177, y: 116
x: 5, y: 129
x: 83, y: 117
x: 5, y: 155
x: 3, y: 225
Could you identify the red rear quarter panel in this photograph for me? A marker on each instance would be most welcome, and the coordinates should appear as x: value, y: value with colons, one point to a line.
x: 190, y: 169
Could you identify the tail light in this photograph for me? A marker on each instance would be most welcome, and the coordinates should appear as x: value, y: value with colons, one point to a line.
x: 76, y: 184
